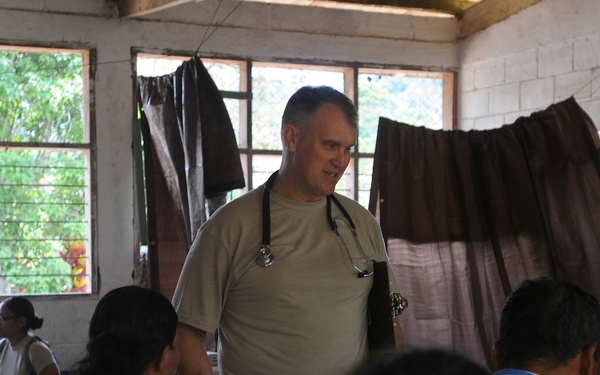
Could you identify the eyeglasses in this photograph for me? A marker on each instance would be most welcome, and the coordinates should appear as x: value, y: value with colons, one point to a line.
x: 3, y: 318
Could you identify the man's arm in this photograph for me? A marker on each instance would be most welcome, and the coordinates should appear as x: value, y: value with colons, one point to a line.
x: 194, y: 360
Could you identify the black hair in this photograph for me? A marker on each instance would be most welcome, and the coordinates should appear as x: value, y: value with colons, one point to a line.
x: 305, y: 102
x: 422, y: 361
x: 129, y: 329
x: 22, y: 307
x: 549, y: 320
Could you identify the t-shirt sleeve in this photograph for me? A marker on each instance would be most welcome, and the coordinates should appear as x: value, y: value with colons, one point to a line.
x: 40, y: 356
x: 199, y: 295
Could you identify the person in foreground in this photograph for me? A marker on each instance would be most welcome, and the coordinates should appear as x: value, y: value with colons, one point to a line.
x: 422, y: 361
x: 133, y: 331
x: 548, y: 327
x: 267, y: 271
x: 22, y: 352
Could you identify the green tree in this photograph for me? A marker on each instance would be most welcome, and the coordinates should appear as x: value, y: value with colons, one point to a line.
x: 42, y: 196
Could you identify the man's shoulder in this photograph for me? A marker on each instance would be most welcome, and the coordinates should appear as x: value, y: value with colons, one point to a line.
x: 248, y: 200
x: 247, y: 205
x: 344, y: 200
x: 353, y: 207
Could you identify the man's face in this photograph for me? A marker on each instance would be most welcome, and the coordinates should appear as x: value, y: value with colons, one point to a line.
x: 322, y: 153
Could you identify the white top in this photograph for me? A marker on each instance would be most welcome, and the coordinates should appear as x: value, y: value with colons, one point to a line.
x: 12, y: 361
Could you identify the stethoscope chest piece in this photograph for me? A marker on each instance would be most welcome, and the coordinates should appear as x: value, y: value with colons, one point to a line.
x: 265, y: 257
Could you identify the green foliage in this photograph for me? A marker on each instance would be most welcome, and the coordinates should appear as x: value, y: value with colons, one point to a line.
x: 42, y: 190
x: 411, y: 100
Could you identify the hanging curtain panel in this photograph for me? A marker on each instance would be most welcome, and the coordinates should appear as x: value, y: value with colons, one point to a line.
x: 467, y: 215
x: 191, y: 140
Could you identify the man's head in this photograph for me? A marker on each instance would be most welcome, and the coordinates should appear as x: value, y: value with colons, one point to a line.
x: 305, y: 102
x: 319, y: 130
x: 546, y: 324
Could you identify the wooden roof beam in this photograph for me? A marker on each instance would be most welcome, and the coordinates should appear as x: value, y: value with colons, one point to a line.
x: 133, y: 8
x: 489, y: 12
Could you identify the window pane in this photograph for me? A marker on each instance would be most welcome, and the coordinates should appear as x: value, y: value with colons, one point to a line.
x: 155, y: 66
x: 365, y: 175
x: 345, y: 185
x: 45, y: 209
x: 233, y: 109
x: 400, y: 97
x: 41, y: 97
x: 43, y: 218
x: 262, y: 168
x: 225, y: 75
x: 272, y: 87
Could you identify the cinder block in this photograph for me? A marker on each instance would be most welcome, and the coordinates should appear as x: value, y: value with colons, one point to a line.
x: 555, y: 59
x: 577, y: 84
x: 466, y: 79
x: 521, y: 66
x: 489, y: 122
x: 537, y: 94
x: 489, y: 73
x: 504, y: 98
x: 474, y: 104
x: 586, y: 53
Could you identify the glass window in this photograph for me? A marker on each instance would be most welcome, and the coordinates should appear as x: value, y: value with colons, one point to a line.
x: 412, y: 97
x: 45, y: 176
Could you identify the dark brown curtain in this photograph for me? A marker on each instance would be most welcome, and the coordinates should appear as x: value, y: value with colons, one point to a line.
x: 191, y: 159
x: 467, y: 215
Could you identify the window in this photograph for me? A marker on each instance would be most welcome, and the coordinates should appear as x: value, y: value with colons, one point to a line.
x: 45, y: 171
x: 256, y: 93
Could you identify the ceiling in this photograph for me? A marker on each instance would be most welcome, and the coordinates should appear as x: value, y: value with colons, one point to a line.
x: 129, y: 8
x: 474, y: 15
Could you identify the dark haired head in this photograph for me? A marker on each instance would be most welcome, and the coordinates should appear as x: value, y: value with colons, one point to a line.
x: 547, y: 320
x: 432, y: 361
x: 305, y: 102
x: 129, y: 329
x: 22, y: 307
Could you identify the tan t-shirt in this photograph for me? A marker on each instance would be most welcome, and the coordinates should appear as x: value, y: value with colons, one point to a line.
x: 305, y: 314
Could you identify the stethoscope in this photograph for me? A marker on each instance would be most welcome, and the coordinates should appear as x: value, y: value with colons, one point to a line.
x: 265, y: 256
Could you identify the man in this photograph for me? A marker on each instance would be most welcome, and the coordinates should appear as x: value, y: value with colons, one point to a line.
x: 548, y: 327
x: 285, y: 293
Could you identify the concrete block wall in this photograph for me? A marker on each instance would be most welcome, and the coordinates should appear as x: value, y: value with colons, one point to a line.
x: 540, y: 56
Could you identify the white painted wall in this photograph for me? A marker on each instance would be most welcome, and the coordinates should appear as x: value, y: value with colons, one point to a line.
x: 255, y: 30
x: 540, y: 56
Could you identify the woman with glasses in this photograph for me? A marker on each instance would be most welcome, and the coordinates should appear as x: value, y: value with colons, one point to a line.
x: 21, y: 352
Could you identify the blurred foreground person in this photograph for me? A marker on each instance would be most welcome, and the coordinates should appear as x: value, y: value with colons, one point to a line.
x: 548, y: 327
x: 133, y: 331
x: 432, y: 361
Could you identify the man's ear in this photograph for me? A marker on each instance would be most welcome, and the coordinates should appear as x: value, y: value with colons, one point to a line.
x: 588, y: 365
x: 496, y: 363
x: 290, y: 136
x: 161, y: 361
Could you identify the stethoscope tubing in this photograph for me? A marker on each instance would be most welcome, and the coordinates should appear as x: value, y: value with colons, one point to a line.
x: 265, y: 257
